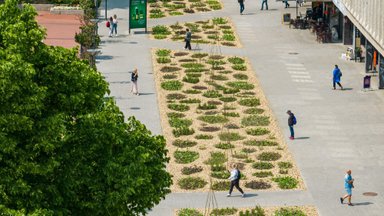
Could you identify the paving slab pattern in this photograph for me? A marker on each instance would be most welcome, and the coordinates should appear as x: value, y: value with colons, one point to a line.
x: 337, y: 130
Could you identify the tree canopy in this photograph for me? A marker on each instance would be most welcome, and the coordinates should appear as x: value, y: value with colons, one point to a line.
x: 65, y: 148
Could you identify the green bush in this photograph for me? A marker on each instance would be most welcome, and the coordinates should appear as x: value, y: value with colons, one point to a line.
x: 192, y: 91
x: 183, y: 131
x: 257, y: 131
x: 192, y: 65
x: 250, y: 102
x: 231, y: 114
x: 286, y: 182
x: 219, y: 77
x: 239, y: 67
x: 283, y: 171
x: 178, y: 107
x: 169, y: 69
x: 185, y: 157
x: 240, y: 76
x: 284, y: 165
x: 260, y: 143
x: 259, y: 185
x: 163, y: 52
x: 229, y: 37
x: 179, y: 122
x: 196, y: 75
x: 159, y: 36
x: 255, y: 120
x: 223, y: 212
x: 262, y: 165
x: 199, y: 55
x: 204, y: 136
x: 230, y: 136
x: 190, y: 101
x: 172, y: 85
x: 220, y: 174
x: 269, y: 156
x: 240, y: 155
x: 248, y: 150
x: 218, y: 167
x: 190, y: 79
x: 241, y: 85
x: 228, y: 99
x: 169, y: 76
x: 216, y: 158
x: 163, y: 60
x: 184, y: 143
x: 236, y: 60
x: 175, y: 115
x: 231, y: 90
x: 175, y: 96
x: 191, y: 170
x: 289, y: 212
x: 189, y: 212
x: 209, y: 129
x: 263, y: 174
x: 207, y: 106
x: 213, y: 119
x: 212, y: 94
x: 257, y: 211
x: 160, y: 30
x: 191, y: 183
x: 254, y: 111
x: 175, y: 13
x: 221, y: 185
x: 224, y: 146
x: 219, y: 21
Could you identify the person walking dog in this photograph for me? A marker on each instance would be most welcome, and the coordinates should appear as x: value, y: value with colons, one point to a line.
x: 134, y: 77
x: 235, y: 180
x: 266, y: 4
x: 188, y: 37
x: 337, y: 77
x: 241, y: 3
x: 348, y: 184
x: 291, y: 122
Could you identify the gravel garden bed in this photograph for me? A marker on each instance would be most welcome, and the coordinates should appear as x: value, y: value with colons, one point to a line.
x: 218, y: 30
x: 214, y: 114
x: 165, y: 8
x: 256, y: 211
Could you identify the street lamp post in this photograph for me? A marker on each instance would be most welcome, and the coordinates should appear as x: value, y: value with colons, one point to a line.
x: 106, y: 4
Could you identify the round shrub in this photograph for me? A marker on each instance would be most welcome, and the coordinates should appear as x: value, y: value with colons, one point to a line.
x: 231, y: 114
x: 192, y: 91
x: 216, y: 57
x: 190, y: 79
x: 257, y: 131
x: 181, y: 54
x: 204, y: 136
x: 289, y: 212
x: 179, y: 122
x: 172, y: 85
x: 190, y: 101
x: 192, y: 65
x: 220, y: 174
x: 255, y: 120
x: 199, y: 87
x: 269, y: 156
x: 206, y: 106
x: 184, y: 157
x: 175, y: 115
x: 262, y: 165
x: 160, y: 30
x: 253, y: 111
x: 219, y: 77
x: 236, y: 60
x: 231, y: 126
x: 259, y: 185
x: 169, y: 69
x: 212, y: 94
x: 189, y: 212
x: 263, y: 174
x: 216, y: 158
x: 223, y: 211
x: 199, y: 55
x: 209, y: 129
x: 178, y: 107
x: 239, y: 67
x: 228, y: 99
x: 169, y: 76
x: 191, y: 170
x: 224, y: 146
x: 221, y: 185
x: 248, y: 150
x: 183, y: 131
x: 230, y: 136
x: 285, y: 165
x: 163, y: 52
x: 240, y: 76
x: 184, y: 143
x: 286, y: 182
x: 231, y: 90
x: 260, y: 143
x: 175, y: 96
x: 250, y: 102
x: 191, y: 183
x: 213, y: 119
x: 241, y: 85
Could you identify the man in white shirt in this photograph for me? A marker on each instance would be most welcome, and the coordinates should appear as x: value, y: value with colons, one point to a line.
x: 235, y: 179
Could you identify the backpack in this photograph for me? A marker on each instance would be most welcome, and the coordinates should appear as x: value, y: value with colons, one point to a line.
x: 294, y: 121
x: 238, y: 177
x: 108, y: 24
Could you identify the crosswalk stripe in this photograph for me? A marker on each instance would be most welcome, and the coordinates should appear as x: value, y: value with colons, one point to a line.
x: 301, y: 76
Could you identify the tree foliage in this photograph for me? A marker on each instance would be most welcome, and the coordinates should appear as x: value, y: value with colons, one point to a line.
x: 65, y: 148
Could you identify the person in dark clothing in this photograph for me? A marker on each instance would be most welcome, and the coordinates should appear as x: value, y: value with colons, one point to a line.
x: 266, y: 5
x: 241, y: 3
x: 291, y: 122
x: 286, y: 4
x: 337, y: 77
x: 188, y: 37
x: 235, y: 180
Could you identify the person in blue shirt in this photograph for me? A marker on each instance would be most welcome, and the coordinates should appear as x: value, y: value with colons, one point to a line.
x: 348, y: 184
x: 336, y: 77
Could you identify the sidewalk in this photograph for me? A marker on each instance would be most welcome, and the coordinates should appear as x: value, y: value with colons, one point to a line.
x: 337, y: 130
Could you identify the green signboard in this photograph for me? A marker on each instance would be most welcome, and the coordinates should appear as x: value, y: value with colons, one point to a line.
x: 137, y: 14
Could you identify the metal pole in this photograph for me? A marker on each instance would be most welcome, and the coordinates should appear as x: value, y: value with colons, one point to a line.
x: 106, y: 18
x: 297, y: 9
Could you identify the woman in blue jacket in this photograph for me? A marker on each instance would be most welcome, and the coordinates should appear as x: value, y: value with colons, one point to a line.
x: 337, y: 77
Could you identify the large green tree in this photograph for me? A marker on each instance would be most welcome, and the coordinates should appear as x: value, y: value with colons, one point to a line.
x: 65, y: 148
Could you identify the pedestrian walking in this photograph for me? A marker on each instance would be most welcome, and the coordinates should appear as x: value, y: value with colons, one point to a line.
x: 134, y: 77
x: 241, y: 3
x: 286, y: 4
x: 348, y: 184
x: 235, y: 180
x: 337, y: 77
x: 114, y: 24
x: 266, y: 4
x: 110, y: 21
x: 188, y: 37
x: 291, y: 122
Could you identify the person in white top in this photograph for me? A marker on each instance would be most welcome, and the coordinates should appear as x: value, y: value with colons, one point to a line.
x: 114, y: 24
x: 235, y: 179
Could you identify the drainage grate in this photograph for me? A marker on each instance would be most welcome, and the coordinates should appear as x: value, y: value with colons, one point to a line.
x: 293, y: 53
x: 370, y: 194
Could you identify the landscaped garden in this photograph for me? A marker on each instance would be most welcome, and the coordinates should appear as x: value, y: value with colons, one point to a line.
x: 165, y: 8
x: 256, y: 211
x: 214, y: 31
x: 213, y: 115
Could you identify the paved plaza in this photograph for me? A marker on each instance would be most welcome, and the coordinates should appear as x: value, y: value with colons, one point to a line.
x: 336, y: 131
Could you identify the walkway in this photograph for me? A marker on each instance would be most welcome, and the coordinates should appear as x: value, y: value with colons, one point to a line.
x: 338, y: 130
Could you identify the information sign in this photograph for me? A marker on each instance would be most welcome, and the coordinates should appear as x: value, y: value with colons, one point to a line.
x: 137, y: 14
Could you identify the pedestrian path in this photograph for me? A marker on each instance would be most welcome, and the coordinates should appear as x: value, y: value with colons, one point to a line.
x: 337, y: 130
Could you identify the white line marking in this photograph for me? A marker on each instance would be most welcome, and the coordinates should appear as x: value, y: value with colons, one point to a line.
x: 298, y: 72
x: 302, y: 81
x: 301, y: 76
